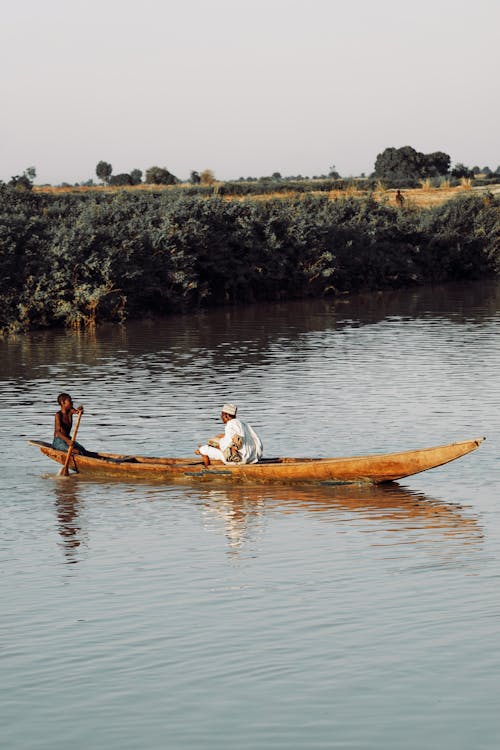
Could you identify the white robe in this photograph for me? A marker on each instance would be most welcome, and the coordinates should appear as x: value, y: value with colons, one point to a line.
x: 251, y: 450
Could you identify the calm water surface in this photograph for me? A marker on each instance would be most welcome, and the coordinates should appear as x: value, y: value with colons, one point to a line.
x: 142, y: 615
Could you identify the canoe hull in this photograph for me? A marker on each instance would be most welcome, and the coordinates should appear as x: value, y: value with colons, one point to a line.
x: 367, y: 469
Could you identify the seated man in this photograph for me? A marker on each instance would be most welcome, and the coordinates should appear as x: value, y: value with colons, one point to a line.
x: 237, y: 444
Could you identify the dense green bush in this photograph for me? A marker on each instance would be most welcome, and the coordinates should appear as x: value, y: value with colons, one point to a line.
x: 406, y: 165
x: 79, y: 259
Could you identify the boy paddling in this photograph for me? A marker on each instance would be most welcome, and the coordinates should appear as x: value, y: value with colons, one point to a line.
x: 63, y: 423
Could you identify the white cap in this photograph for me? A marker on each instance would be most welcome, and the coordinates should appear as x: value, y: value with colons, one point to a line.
x: 230, y: 409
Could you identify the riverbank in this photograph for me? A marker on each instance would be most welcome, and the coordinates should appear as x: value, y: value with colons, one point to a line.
x: 80, y: 259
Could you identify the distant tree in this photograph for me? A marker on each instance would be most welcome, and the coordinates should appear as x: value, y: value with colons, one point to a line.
x: 460, y: 170
x: 476, y: 170
x: 136, y: 176
x: 276, y: 176
x: 402, y: 164
x: 104, y: 171
x: 437, y: 164
x: 486, y: 171
x: 120, y: 179
x: 207, y: 177
x: 194, y: 178
x: 160, y: 176
x: 332, y: 172
x: 23, y: 181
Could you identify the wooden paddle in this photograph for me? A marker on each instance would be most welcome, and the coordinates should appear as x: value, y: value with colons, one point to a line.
x: 64, y: 471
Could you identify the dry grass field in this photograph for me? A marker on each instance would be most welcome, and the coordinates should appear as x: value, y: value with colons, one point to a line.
x: 423, y: 197
x: 427, y: 197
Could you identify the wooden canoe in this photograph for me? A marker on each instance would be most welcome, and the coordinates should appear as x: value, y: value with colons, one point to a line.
x: 372, y: 469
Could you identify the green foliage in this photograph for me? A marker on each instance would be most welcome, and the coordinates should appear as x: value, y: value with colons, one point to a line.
x: 437, y: 164
x: 464, y: 237
x: 124, y: 178
x: 160, y: 176
x: 278, y: 184
x: 78, y: 259
x: 120, y: 179
x: 23, y: 181
x: 136, y: 176
x: 460, y: 170
x: 404, y: 167
x: 104, y: 170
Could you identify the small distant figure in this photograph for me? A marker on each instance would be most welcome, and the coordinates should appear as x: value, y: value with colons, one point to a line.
x: 237, y: 444
x: 63, y: 424
x: 400, y: 199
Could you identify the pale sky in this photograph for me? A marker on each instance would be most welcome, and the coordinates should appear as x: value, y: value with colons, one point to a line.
x: 245, y: 87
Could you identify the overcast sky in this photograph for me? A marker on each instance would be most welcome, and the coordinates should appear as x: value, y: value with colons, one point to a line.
x: 245, y: 87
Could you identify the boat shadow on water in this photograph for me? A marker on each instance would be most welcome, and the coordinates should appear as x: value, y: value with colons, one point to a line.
x: 386, y: 509
x: 397, y: 514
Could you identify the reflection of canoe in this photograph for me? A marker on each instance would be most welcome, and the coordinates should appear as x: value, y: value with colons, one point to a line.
x: 383, y: 508
x: 374, y: 468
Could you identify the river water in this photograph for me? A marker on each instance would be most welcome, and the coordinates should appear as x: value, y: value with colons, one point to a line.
x: 155, y: 616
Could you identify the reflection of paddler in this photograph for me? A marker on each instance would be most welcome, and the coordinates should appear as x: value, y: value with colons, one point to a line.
x: 239, y: 443
x: 67, y: 502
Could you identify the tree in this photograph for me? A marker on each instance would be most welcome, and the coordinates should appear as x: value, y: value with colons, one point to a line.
x: 437, y: 164
x: 406, y: 164
x: 104, y: 170
x: 460, y: 170
x: 160, y: 176
x: 25, y: 180
x: 194, y: 178
x: 136, y: 176
x: 332, y: 172
x: 399, y: 164
x: 120, y: 179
